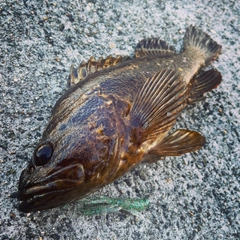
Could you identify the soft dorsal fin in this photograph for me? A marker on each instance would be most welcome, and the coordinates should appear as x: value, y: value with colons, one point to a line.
x: 157, y: 105
x: 153, y: 46
x: 179, y: 142
x: 93, y: 65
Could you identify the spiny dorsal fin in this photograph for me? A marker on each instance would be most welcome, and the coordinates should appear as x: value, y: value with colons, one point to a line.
x: 153, y: 46
x: 203, y: 83
x: 180, y: 142
x: 93, y: 65
x: 157, y: 105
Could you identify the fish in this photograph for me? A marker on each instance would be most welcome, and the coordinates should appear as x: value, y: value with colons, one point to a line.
x: 116, y: 113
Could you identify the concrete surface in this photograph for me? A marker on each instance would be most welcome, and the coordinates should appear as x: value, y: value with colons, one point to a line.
x: 195, y: 196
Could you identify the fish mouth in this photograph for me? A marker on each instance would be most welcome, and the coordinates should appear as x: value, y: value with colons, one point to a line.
x: 56, y: 189
x: 43, y: 201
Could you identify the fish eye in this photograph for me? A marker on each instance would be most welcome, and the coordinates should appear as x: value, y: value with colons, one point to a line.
x: 43, y: 155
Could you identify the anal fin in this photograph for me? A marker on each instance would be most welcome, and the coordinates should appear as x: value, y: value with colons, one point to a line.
x: 179, y: 142
x: 203, y: 83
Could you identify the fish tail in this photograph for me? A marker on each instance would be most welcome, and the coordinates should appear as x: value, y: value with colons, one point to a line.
x: 195, y: 37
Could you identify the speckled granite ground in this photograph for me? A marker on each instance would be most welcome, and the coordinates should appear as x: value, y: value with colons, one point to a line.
x: 195, y: 196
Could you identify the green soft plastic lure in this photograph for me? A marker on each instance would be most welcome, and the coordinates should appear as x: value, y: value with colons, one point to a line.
x: 97, y: 206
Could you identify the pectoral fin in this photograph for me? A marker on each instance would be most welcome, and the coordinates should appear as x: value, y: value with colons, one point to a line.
x: 180, y: 142
x: 157, y: 105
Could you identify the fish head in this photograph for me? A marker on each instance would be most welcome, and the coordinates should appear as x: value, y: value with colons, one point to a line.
x: 55, y: 175
x: 75, y: 156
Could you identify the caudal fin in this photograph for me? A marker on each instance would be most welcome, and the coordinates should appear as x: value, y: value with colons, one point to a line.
x: 195, y: 37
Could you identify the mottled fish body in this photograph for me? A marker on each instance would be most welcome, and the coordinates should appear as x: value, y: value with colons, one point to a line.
x: 117, y: 112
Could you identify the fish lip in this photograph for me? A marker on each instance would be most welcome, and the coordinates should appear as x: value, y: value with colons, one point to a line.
x: 35, y: 196
x: 64, y: 178
x: 34, y: 203
x: 40, y: 190
x: 14, y: 194
x: 23, y: 207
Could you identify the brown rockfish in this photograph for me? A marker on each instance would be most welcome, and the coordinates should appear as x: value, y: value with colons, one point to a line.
x: 116, y: 113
